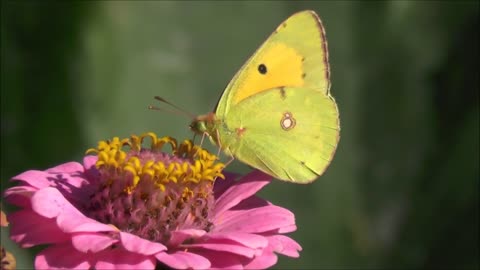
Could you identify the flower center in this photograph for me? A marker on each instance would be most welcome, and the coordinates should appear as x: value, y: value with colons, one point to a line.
x: 150, y: 193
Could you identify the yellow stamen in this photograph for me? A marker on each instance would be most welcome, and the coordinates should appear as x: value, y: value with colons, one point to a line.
x: 191, y: 165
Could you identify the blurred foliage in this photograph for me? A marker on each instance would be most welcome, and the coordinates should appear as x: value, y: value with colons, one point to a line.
x: 402, y: 191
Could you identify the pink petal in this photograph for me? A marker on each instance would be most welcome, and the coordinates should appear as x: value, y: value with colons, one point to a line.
x: 222, y: 260
x: 251, y: 202
x: 287, y: 229
x: 71, y: 222
x: 34, y: 178
x: 223, y: 184
x: 257, y: 220
x: 67, y: 182
x: 253, y: 241
x: 65, y: 177
x: 89, y: 162
x: 74, y: 186
x: 29, y: 229
x: 20, y: 195
x: 68, y: 167
x: 183, y: 260
x: 92, y: 242
x: 225, y: 247
x: 178, y: 237
x: 91, y: 172
x: 62, y: 257
x: 122, y: 259
x: 262, y: 261
x: 246, y: 187
x: 50, y: 203
x: 68, y: 178
x: 284, y: 245
x: 136, y: 244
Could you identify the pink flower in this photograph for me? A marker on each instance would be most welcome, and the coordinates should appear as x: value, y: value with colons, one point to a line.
x: 144, y: 209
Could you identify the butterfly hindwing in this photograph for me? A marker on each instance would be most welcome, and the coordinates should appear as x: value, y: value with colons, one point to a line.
x: 288, y: 132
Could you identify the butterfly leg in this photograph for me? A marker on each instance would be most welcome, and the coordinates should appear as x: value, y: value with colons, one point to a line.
x: 218, y: 143
x: 226, y: 164
x: 232, y: 158
x: 203, y: 138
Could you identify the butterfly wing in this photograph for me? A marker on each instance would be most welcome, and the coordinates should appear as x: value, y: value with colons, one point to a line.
x: 295, y: 55
x: 290, y: 133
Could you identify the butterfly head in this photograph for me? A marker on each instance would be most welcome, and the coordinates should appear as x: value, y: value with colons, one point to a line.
x: 204, y: 124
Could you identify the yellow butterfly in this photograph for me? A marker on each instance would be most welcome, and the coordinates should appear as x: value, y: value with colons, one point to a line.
x: 277, y: 114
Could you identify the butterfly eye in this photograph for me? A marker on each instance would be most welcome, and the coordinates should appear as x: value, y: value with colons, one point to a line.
x: 262, y: 69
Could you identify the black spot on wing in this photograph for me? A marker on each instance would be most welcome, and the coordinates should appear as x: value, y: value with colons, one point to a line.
x: 262, y: 69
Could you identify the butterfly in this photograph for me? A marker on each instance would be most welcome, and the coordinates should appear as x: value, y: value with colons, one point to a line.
x: 277, y: 114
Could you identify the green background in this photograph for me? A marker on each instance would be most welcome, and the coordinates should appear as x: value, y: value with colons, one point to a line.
x: 402, y: 191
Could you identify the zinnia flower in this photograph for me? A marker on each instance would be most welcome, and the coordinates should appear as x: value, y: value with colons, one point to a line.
x: 141, y: 208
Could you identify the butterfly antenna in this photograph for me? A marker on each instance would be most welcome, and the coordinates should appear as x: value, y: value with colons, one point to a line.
x: 177, y: 110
